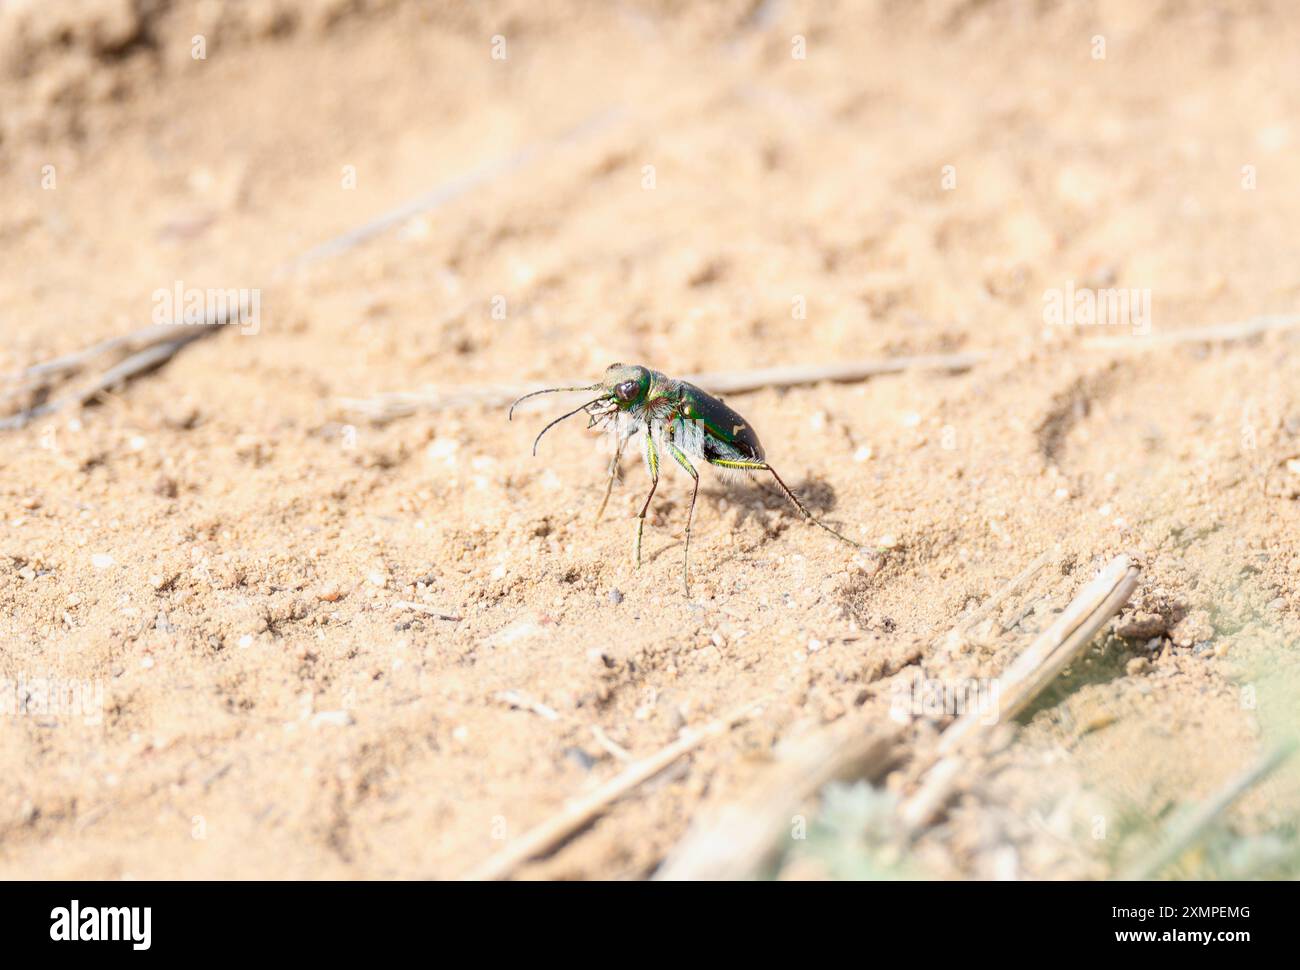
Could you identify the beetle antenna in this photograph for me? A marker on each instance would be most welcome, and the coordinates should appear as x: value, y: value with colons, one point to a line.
x: 563, y: 416
x: 548, y: 390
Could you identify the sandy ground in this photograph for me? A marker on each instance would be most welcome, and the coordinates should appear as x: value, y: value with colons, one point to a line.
x: 216, y: 550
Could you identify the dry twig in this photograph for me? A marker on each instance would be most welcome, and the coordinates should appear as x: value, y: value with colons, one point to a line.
x: 740, y: 838
x: 455, y: 188
x: 1049, y: 654
x: 526, y: 702
x: 151, y: 347
x: 580, y: 812
x: 426, y: 610
x: 388, y: 407
x: 737, y: 841
x: 1214, y: 333
x: 399, y: 404
x: 989, y: 606
x: 148, y: 349
x: 1186, y: 831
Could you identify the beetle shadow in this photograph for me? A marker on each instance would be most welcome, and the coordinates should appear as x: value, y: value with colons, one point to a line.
x: 653, y: 556
x: 757, y: 498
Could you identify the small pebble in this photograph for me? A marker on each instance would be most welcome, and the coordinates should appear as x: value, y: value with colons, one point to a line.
x: 331, y: 719
x: 580, y: 758
x: 102, y: 560
x: 616, y: 596
x: 1141, y: 626
x: 443, y: 450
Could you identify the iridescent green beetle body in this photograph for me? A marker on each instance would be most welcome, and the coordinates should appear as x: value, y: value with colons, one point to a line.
x: 727, y: 434
x: 678, y: 419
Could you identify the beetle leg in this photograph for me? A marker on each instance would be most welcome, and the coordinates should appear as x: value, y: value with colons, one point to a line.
x: 652, y: 463
x: 690, y: 513
x: 762, y: 466
x: 613, y: 474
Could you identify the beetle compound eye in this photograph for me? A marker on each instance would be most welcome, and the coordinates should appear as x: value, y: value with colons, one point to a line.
x: 626, y: 391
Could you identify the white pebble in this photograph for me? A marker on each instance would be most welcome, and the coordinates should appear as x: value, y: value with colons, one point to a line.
x: 102, y: 560
x: 443, y: 450
x: 331, y: 719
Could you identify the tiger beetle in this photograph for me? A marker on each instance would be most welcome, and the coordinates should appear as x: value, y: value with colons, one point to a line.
x: 679, y: 419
